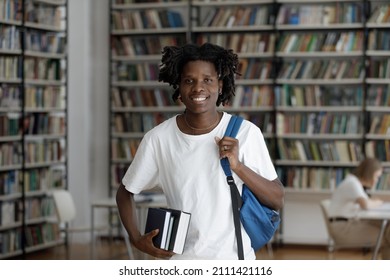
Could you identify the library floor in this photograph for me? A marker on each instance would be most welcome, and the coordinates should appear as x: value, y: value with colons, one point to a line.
x: 116, y: 250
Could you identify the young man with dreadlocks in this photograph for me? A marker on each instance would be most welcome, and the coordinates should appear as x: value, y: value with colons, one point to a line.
x: 182, y: 157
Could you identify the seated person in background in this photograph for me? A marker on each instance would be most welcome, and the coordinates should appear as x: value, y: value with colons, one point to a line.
x: 350, y: 197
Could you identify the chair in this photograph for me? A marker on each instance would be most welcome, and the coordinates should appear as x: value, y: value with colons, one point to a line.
x: 335, y: 242
x: 66, y: 213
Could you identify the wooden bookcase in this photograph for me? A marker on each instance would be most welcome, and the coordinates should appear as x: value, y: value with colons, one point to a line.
x: 315, y: 79
x: 33, y: 122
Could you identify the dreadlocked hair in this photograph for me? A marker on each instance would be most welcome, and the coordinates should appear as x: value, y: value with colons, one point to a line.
x: 226, y: 63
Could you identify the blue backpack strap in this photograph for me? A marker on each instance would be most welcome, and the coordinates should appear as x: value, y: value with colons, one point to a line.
x: 231, y: 131
x: 236, y: 126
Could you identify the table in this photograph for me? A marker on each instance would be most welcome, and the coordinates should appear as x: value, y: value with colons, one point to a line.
x: 383, y: 214
x: 143, y: 202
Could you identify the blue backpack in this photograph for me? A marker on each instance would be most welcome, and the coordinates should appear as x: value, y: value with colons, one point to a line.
x: 259, y: 221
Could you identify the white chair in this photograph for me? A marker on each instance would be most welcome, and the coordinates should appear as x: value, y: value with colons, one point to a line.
x: 336, y: 241
x: 66, y: 213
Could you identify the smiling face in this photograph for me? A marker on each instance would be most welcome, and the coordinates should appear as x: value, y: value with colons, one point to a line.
x: 199, y: 86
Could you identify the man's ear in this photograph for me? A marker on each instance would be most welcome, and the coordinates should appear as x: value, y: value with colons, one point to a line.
x: 220, y: 85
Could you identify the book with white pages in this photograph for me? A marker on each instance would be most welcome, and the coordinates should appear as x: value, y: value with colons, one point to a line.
x: 173, y: 227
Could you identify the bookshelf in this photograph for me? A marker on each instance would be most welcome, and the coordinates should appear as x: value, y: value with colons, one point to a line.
x: 315, y: 79
x: 33, y: 122
x: 319, y: 92
x: 323, y: 113
x: 248, y: 28
x: 378, y: 89
x: 138, y: 102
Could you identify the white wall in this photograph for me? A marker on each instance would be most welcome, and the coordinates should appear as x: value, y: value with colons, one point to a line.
x: 88, y: 104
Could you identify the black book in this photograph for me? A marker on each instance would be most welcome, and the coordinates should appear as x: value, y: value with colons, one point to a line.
x: 158, y: 219
x: 173, y: 225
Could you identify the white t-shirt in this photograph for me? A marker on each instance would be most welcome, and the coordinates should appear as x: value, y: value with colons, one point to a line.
x: 188, y: 169
x: 343, y: 202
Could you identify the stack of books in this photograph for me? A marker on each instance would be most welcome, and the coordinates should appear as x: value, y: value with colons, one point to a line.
x: 173, y: 227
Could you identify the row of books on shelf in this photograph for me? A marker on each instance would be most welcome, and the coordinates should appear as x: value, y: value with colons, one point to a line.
x: 9, y: 124
x: 44, y: 97
x: 40, y: 179
x: 9, y: 38
x: 331, y: 150
x: 319, y: 96
x: 322, y: 69
x: 378, y: 40
x: 146, y: 71
x: 133, y: 122
x: 254, y: 69
x: 319, y: 123
x: 42, y: 233
x: 151, y: 45
x: 54, y: 43
x: 173, y: 227
x: 10, y: 182
x: 35, y: 68
x: 36, y: 151
x: 146, y: 19
x: 10, y: 154
x: 10, y: 97
x: 125, y: 2
x: 258, y: 69
x: 380, y: 14
x: 321, y: 42
x: 43, y: 123
x: 334, y: 41
x: 253, y: 96
x: 265, y: 121
x: 311, y: 178
x: 10, y: 241
x: 138, y: 97
x: 44, y: 179
x: 10, y: 212
x: 39, y: 207
x: 380, y: 124
x: 378, y: 95
x: 237, y: 16
x: 379, y: 68
x: 340, y: 41
x: 42, y: 13
x: 383, y: 182
x: 241, y: 42
x: 44, y: 151
x: 10, y: 67
x: 124, y: 148
x: 43, y: 68
x: 320, y: 14
x: 316, y: 179
x: 379, y: 149
x: 10, y: 10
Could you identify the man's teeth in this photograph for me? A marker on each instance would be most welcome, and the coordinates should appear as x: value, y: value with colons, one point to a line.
x: 199, y: 99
